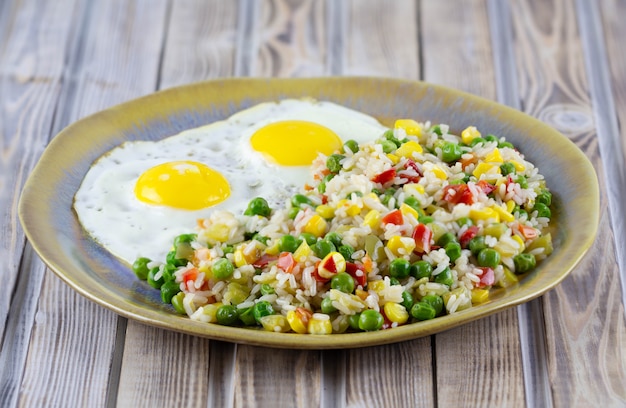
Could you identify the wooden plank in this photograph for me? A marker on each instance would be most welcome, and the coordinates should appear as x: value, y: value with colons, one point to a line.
x: 584, y: 315
x: 114, y: 57
x: 200, y: 44
x: 460, y: 55
x: 33, y: 42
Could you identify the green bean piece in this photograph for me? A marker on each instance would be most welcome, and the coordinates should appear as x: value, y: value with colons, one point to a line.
x: 343, y: 282
x: 453, y: 250
x: 421, y: 269
x: 423, y: 311
x: 323, y: 248
x: 223, y: 269
x: 371, y: 320
x: 168, y: 290
x: 333, y: 162
x: 524, y: 263
x: 399, y: 268
x: 140, y: 268
x: 288, y: 243
x: 507, y: 168
x: 262, y: 308
x: 352, y: 145
x: 435, y: 301
x: 444, y: 277
x: 177, y: 302
x: 258, y: 206
x: 227, y: 315
x: 327, y: 306
x: 151, y: 281
x: 407, y: 300
x: 488, y: 257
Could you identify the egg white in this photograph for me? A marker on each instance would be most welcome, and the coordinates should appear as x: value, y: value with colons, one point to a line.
x: 111, y: 213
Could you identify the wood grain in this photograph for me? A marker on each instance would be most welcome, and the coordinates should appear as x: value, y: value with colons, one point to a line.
x: 584, y: 315
x: 73, y: 340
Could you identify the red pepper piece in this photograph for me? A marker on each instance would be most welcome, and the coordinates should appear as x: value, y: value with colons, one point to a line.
x: 457, y: 194
x: 357, y: 272
x: 467, y: 236
x: 488, y: 278
x: 422, y: 235
x: 264, y: 260
x: 385, y: 177
x: 486, y: 186
x: 394, y: 217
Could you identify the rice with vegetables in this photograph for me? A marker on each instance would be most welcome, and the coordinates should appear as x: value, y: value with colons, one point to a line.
x: 417, y: 224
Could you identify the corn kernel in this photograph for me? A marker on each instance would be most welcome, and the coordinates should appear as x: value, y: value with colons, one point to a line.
x: 407, y: 209
x: 376, y: 286
x: 413, y: 188
x: 508, y: 279
x: 361, y: 294
x: 480, y: 295
x: 394, y: 159
x: 319, y: 326
x: 410, y: 126
x: 396, y: 313
x: 325, y: 211
x: 510, y: 206
x: 316, y: 226
x: 372, y: 219
x: 486, y: 168
x: 275, y: 323
x: 408, y: 148
x: 504, y: 214
x: 439, y: 173
x: 494, y: 157
x: 240, y: 260
x: 210, y: 311
x: 484, y: 214
x: 297, y: 322
x: 470, y: 133
x: 351, y: 208
x: 274, y: 249
x: 520, y: 241
x: 303, y: 252
x: 519, y: 167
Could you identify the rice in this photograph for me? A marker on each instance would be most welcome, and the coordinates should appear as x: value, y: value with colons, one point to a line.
x: 420, y: 223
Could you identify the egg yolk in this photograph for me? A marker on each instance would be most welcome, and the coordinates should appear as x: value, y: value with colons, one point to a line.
x: 185, y: 185
x: 294, y: 142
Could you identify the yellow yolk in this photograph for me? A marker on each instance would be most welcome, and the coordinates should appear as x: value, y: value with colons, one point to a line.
x: 294, y: 142
x: 185, y: 185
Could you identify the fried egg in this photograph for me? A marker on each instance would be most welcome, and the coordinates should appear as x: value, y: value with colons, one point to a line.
x: 139, y: 196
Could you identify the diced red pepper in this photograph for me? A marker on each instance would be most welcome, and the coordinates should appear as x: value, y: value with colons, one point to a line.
x: 467, y: 236
x: 486, y: 186
x: 264, y: 260
x: 316, y: 274
x: 413, y: 168
x: 189, y: 275
x: 394, y: 217
x: 357, y: 272
x: 410, y: 164
x: 488, y: 278
x: 385, y: 177
x: 286, y: 262
x: 324, y: 199
x: 422, y: 235
x: 467, y: 161
x: 304, y: 315
x: 386, y: 322
x: 457, y: 194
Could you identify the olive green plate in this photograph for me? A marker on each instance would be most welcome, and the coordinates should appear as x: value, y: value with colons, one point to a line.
x: 51, y: 226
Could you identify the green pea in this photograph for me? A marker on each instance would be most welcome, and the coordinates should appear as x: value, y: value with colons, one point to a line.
x: 461, y: 222
x: 477, y: 140
x: 435, y: 129
x: 184, y: 239
x: 261, y: 309
x: 445, y: 277
x: 477, y: 244
x: 522, y: 181
x: 456, y: 182
x: 390, y: 135
x: 507, y: 168
x: 172, y: 260
x: 488, y: 257
x: 399, y: 268
x: 168, y: 290
x: 453, y: 250
x: 327, y: 306
x: 246, y: 316
x: 542, y: 210
x: 388, y: 146
x: 343, y: 282
x: 451, y: 152
x: 371, y: 320
x: 421, y: 269
x: 321, y: 188
x: 425, y: 219
x: 394, y: 281
x: 309, y: 238
x: 492, y: 138
x: 299, y: 200
x: 506, y: 144
x: 288, y: 243
x: 353, y: 321
x: 413, y: 203
x: 227, y: 315
x: 446, y: 238
x: 335, y: 238
x: 267, y: 289
x: 177, y: 302
x: 258, y: 206
x: 223, y: 269
x: 544, y: 197
x: 423, y: 311
x: 333, y: 162
x: 435, y: 301
x: 293, y: 212
x: 346, y: 251
x: 323, y: 248
x: 524, y: 263
x: 168, y: 272
x: 151, y: 281
x: 407, y: 300
x: 140, y: 267
x: 228, y: 249
x: 260, y: 238
x: 352, y: 145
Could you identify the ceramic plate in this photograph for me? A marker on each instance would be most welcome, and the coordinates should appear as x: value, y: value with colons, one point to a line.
x: 51, y: 226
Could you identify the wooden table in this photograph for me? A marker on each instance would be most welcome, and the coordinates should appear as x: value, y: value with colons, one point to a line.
x: 562, y: 61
